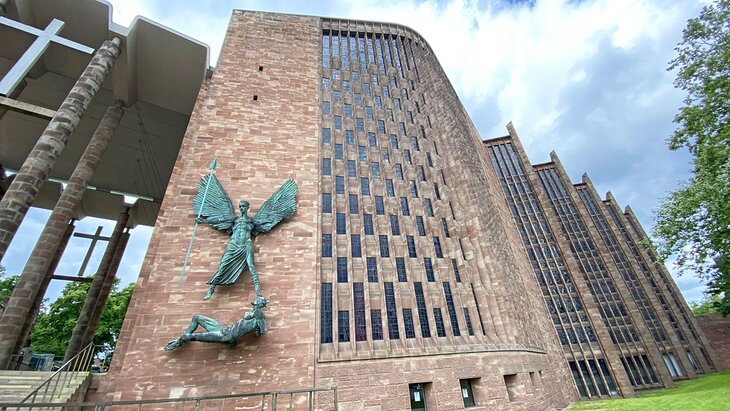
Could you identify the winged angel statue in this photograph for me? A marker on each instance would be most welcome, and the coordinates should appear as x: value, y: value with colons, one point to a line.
x: 215, y: 208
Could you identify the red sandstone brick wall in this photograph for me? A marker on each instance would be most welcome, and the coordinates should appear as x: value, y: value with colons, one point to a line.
x: 259, y: 144
x: 717, y: 331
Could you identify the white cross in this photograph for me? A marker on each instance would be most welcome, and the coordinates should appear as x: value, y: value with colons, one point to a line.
x: 35, y: 51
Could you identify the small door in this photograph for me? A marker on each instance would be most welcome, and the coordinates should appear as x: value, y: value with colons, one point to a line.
x: 418, y: 397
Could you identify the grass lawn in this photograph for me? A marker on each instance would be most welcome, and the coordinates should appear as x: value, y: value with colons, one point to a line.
x: 707, y: 393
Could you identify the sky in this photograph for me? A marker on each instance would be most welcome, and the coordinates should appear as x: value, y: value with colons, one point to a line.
x: 587, y: 79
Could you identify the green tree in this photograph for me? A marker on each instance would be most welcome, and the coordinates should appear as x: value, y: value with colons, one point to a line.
x: 6, y: 285
x: 710, y: 304
x: 54, y: 327
x: 694, y: 221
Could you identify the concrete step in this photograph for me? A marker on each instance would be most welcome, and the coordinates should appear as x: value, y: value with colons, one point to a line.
x: 16, y: 385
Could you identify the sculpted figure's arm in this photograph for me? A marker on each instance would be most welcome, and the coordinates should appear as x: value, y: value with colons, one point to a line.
x: 212, y: 219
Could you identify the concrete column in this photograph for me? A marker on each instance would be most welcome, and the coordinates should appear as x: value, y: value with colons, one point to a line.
x: 36, y: 274
x: 24, y: 188
x: 3, y: 7
x: 36, y: 307
x: 92, y: 298
x: 106, y: 289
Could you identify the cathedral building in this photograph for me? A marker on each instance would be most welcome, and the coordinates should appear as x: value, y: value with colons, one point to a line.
x: 424, y: 268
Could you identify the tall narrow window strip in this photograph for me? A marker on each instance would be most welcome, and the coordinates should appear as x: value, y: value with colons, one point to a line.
x: 326, y: 203
x: 367, y: 221
x: 364, y: 186
x: 398, y: 169
x: 326, y: 245
x: 341, y: 269
x: 479, y: 311
x: 379, y: 50
x: 375, y: 170
x: 379, y: 205
x: 372, y: 269
x: 437, y: 247
x: 405, y: 56
x: 326, y: 49
x: 343, y: 326
x: 396, y: 56
x: 388, y: 57
x: 384, y: 250
x: 340, y: 223
x: 391, y: 312
x: 428, y: 265
x: 353, y: 204
x: 359, y: 310
x: 400, y: 268
x: 467, y: 318
x: 439, y: 320
x: 404, y: 206
x: 376, y: 322
x: 420, y: 226
x: 355, y: 246
x: 339, y: 185
x: 361, y: 49
x: 422, y: 311
x: 394, y: 226
x: 371, y: 54
x: 389, y: 190
x: 326, y: 167
x: 455, y: 266
x: 452, y: 310
x: 411, y: 245
x: 325, y: 319
x: 343, y: 52
x: 408, y: 323
x: 326, y: 135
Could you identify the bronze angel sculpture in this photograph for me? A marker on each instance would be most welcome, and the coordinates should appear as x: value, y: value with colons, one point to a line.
x: 214, y: 207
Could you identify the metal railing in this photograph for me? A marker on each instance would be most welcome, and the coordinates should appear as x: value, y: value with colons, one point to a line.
x: 78, y: 366
x: 15, y: 363
x: 269, y: 401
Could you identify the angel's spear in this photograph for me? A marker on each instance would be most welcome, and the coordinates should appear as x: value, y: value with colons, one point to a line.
x: 200, y: 211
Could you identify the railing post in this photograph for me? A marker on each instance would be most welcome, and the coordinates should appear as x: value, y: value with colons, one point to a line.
x: 274, y: 396
x: 197, y: 405
x: 310, y: 394
x: 263, y: 401
x: 335, y: 396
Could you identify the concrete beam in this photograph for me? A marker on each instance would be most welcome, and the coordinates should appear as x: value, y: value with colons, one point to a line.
x: 26, y: 108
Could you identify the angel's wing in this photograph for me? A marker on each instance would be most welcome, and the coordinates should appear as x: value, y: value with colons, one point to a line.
x: 217, y: 210
x: 281, y: 205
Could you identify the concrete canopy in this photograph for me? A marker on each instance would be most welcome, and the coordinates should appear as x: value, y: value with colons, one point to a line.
x: 157, y: 76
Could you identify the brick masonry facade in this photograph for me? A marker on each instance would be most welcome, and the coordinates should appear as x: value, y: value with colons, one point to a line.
x: 717, y: 330
x: 515, y: 363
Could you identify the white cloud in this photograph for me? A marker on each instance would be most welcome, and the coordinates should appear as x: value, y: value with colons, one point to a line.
x: 586, y: 78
